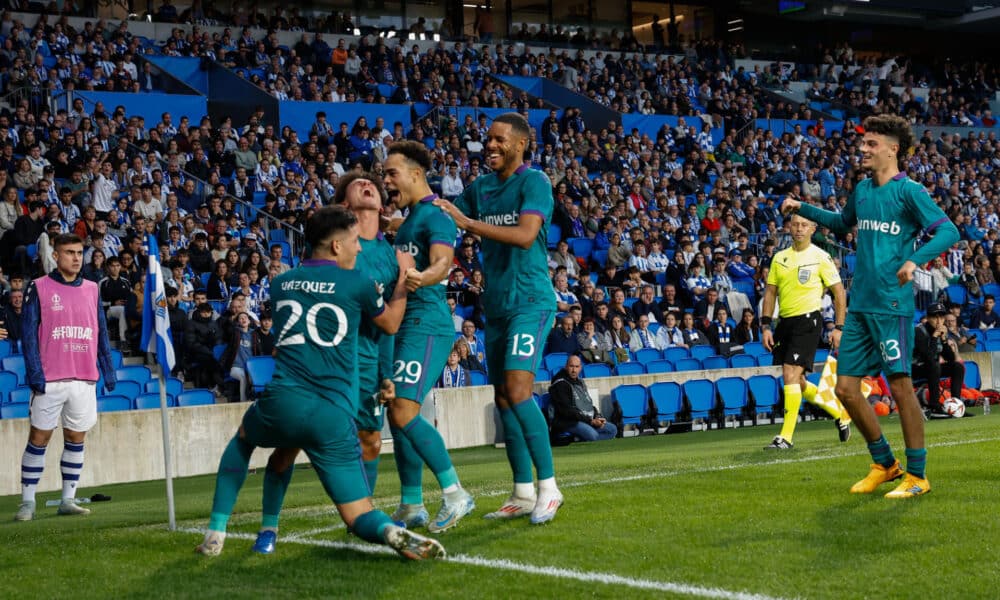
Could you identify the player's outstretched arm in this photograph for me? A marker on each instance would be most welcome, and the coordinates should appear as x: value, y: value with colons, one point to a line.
x: 522, y: 235
x: 841, y: 222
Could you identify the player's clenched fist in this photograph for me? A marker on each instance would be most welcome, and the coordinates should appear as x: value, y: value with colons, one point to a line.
x: 790, y: 205
x: 387, y: 391
x: 414, y: 279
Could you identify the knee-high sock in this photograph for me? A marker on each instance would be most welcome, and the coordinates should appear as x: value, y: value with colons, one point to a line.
x: 916, y: 461
x: 275, y: 486
x: 32, y: 465
x: 516, y: 446
x: 232, y: 473
x: 409, y: 466
x: 830, y: 404
x: 430, y: 447
x: 536, y: 437
x: 371, y: 472
x: 71, y: 465
x: 371, y: 526
x: 793, y: 401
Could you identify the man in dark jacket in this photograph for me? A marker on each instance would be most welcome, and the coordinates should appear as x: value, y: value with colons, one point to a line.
x: 178, y: 323
x: 930, y: 345
x: 200, y: 338
x: 201, y: 257
x: 574, y: 411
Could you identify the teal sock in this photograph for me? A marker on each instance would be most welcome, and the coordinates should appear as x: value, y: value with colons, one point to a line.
x: 409, y: 467
x: 232, y: 473
x: 371, y: 473
x: 517, y: 448
x: 429, y: 445
x: 916, y: 461
x: 536, y: 437
x: 275, y: 486
x: 881, y: 452
x: 371, y: 526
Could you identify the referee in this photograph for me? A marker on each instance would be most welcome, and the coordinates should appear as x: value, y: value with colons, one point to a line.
x: 799, y: 274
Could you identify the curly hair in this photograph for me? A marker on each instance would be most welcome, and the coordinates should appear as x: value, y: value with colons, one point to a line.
x: 895, y: 127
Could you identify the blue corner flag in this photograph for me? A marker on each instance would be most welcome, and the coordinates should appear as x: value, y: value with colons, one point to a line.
x: 155, y: 320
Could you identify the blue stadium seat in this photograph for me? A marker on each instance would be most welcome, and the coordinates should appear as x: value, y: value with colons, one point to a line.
x: 152, y: 400
x: 20, y: 395
x: 14, y: 411
x: 646, y: 355
x: 137, y: 373
x: 196, y: 398
x: 754, y: 349
x: 821, y: 355
x: 700, y: 394
x: 127, y: 388
x: 715, y: 363
x: 629, y: 368
x: 661, y: 365
x: 542, y: 374
x: 676, y: 353
x: 733, y: 393
x: 702, y: 352
x: 218, y: 350
x: 174, y: 386
x: 477, y: 378
x: 973, y: 379
x: 634, y: 403
x: 667, y: 400
x: 555, y: 234
x: 15, y: 364
x: 956, y: 293
x: 765, y: 360
x: 113, y: 403
x: 117, y: 359
x: 687, y: 364
x: 990, y: 334
x: 992, y: 289
x: 742, y: 361
x: 260, y: 369
x: 6, y: 348
x: 764, y: 389
x: 8, y: 383
x: 596, y: 370
x: 600, y: 257
x: 581, y: 247
x: 555, y: 361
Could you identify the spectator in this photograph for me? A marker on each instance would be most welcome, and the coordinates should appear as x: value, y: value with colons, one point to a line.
x: 561, y: 257
x: 720, y: 334
x: 178, y: 323
x: 963, y: 339
x: 670, y: 335
x: 642, y: 337
x: 562, y: 338
x: 985, y: 317
x: 692, y: 335
x: 934, y: 357
x: 474, y: 340
x: 115, y: 291
x: 620, y: 338
x: 468, y: 360
x: 454, y: 374
x: 747, y: 330
x: 574, y: 410
x: 13, y: 317
x: 200, y: 338
x: 565, y: 299
x: 240, y: 346
x: 218, y: 286
x: 647, y: 305
x: 595, y: 347
x: 706, y: 309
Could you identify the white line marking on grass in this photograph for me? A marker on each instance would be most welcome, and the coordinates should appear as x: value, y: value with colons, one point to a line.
x: 509, y: 565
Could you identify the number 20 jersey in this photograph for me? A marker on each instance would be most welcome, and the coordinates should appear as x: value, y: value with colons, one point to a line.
x: 317, y: 309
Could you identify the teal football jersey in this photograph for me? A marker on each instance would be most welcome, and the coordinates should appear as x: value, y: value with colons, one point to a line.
x: 425, y: 226
x: 517, y: 279
x: 890, y: 219
x: 377, y: 261
x: 318, y: 308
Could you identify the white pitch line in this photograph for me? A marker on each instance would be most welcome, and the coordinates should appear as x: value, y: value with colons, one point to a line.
x: 543, y: 571
x: 321, y: 511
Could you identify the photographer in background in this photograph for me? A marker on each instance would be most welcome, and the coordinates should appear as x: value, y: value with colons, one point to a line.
x: 934, y: 357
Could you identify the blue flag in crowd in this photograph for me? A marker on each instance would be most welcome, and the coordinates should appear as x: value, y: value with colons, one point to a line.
x: 155, y: 319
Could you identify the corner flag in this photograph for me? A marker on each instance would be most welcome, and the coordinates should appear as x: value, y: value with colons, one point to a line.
x: 155, y: 320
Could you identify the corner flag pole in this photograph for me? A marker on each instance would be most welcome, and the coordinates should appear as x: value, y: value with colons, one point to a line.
x: 168, y: 461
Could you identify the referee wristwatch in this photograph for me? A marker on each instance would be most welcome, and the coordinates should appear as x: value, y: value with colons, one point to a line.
x: 839, y: 327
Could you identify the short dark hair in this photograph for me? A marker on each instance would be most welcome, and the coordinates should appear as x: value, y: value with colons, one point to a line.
x: 341, y: 194
x: 517, y: 123
x: 893, y: 126
x: 66, y: 239
x: 326, y: 222
x: 414, y: 152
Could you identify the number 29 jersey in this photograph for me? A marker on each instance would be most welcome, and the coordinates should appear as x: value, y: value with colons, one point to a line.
x: 317, y: 309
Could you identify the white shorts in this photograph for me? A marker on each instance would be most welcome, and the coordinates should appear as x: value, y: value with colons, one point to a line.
x: 74, y: 400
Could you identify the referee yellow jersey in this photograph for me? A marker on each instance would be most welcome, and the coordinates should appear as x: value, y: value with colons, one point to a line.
x: 800, y: 278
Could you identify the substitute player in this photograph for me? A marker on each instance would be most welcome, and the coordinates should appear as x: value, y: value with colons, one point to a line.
x: 423, y: 342
x: 312, y: 399
x: 362, y: 194
x: 799, y: 274
x: 510, y: 210
x: 889, y: 211
x: 66, y: 350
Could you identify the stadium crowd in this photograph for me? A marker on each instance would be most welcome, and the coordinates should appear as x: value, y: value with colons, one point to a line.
x: 657, y: 240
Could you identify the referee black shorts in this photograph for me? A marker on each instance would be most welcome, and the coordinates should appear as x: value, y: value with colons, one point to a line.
x: 796, y: 339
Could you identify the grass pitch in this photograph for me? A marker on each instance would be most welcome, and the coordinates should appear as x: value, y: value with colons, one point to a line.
x: 703, y: 514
